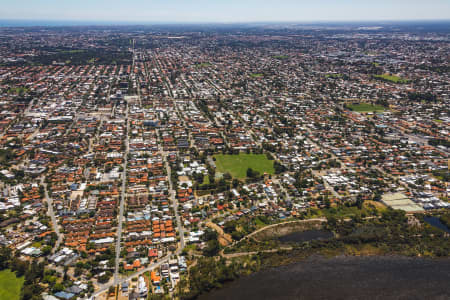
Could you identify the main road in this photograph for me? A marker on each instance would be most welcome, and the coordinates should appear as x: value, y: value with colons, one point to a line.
x: 117, y: 280
x: 122, y: 199
x: 174, y: 204
x: 51, y: 214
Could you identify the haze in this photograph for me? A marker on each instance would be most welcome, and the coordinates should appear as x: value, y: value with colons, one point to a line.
x: 147, y: 11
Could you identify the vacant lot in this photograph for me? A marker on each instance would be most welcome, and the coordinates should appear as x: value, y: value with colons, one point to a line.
x: 365, y: 107
x: 237, y: 165
x: 10, y: 285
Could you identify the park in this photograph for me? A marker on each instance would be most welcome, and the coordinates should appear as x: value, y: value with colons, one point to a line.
x: 237, y: 165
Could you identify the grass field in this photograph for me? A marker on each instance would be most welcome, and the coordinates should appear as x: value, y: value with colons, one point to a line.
x: 333, y: 76
x: 206, y: 180
x: 281, y: 57
x: 203, y: 65
x: 256, y: 75
x: 237, y: 165
x: 391, y: 78
x: 73, y: 51
x: 365, y: 107
x: 18, y: 90
x: 10, y: 286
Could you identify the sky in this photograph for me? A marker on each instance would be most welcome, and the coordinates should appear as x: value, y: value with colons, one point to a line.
x: 224, y: 11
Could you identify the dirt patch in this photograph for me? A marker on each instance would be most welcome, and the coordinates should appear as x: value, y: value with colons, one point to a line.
x: 377, y: 205
x: 222, y: 241
x: 183, y: 178
x: 224, y: 238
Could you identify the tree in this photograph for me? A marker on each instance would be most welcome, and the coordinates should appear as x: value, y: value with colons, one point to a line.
x: 31, y: 291
x: 235, y: 183
x: 252, y: 173
x: 210, y: 235
x: 5, y: 256
x: 105, y: 277
x: 327, y: 202
x: 19, y: 266
x: 359, y: 201
x: 46, y: 250
x: 78, y: 271
x: 58, y: 287
x: 279, y: 168
x: 212, y: 248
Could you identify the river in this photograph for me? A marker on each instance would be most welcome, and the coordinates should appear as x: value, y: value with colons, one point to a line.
x: 435, y: 222
x: 305, y: 236
x: 374, y: 277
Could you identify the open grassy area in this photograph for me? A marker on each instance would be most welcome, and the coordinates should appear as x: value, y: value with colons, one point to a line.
x: 10, y: 285
x: 335, y: 76
x: 206, y: 180
x: 18, y: 90
x: 203, y: 65
x: 237, y: 165
x: 281, y: 57
x: 36, y: 245
x: 256, y: 75
x: 73, y: 51
x: 391, y: 78
x: 378, y: 205
x: 365, y: 107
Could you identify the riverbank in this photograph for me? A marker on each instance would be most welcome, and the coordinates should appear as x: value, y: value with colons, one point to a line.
x: 388, y: 235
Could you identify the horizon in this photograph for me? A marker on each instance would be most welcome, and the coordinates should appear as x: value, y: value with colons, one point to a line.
x: 75, y: 23
x: 222, y: 12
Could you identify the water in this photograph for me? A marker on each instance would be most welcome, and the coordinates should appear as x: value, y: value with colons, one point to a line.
x: 345, y: 278
x: 435, y: 222
x: 305, y: 236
